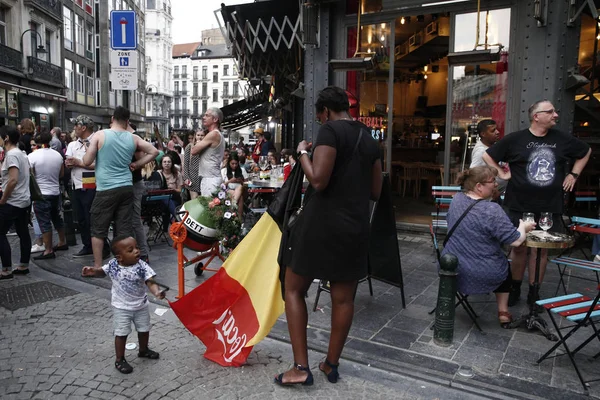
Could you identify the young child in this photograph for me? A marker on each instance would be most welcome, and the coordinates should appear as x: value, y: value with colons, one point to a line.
x: 129, y: 275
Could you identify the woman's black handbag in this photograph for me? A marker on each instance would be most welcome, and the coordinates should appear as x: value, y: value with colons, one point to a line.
x: 288, y: 199
x: 34, y: 188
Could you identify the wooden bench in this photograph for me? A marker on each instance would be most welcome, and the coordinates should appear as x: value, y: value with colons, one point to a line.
x: 563, y: 262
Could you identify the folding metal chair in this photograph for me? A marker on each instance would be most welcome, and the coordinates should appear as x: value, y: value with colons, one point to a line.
x: 583, y: 311
x: 154, y: 210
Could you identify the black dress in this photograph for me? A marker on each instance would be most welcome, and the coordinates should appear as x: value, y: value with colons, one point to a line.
x: 330, y: 240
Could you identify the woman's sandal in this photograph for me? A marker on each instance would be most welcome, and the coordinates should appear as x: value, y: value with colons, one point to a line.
x: 148, y: 354
x: 332, y: 376
x: 307, y: 382
x: 123, y: 366
x: 505, y: 318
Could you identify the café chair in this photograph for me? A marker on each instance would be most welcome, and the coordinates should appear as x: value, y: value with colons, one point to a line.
x: 582, y: 311
x: 155, y: 212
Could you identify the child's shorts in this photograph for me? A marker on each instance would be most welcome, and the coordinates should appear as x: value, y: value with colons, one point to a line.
x: 122, y: 321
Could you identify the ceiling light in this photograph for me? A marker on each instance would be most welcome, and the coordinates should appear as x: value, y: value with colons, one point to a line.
x: 425, y: 68
x: 382, y: 38
x: 425, y: 77
x: 402, y: 20
x: 383, y: 25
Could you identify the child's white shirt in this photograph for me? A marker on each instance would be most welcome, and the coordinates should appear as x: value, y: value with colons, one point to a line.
x: 129, y: 284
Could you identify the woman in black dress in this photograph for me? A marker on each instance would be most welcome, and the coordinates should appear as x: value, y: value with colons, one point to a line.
x: 330, y: 239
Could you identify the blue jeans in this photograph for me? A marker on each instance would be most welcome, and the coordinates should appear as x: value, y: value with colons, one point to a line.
x: 47, y: 212
x: 20, y: 217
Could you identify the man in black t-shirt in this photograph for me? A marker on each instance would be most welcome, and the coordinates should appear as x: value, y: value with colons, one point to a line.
x: 538, y: 158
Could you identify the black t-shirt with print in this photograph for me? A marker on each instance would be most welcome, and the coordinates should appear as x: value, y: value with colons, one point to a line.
x: 537, y: 166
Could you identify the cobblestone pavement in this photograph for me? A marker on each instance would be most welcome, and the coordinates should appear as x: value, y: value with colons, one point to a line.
x: 63, y: 349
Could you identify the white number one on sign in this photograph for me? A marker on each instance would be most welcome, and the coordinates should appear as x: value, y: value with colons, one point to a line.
x: 123, y: 29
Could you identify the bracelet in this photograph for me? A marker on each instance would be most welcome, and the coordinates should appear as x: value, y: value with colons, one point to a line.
x: 301, y: 153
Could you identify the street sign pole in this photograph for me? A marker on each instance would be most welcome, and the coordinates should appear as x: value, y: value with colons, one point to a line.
x: 124, y: 35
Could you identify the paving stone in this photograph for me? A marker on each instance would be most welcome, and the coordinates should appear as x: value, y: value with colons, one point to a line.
x: 487, y: 340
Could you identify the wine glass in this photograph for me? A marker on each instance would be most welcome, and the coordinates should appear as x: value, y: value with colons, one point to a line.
x: 263, y: 163
x: 545, y: 221
x: 528, y: 217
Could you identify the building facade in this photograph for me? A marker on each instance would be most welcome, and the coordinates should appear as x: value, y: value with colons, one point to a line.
x: 204, y: 76
x: 80, y: 58
x: 159, y: 64
x: 31, y: 63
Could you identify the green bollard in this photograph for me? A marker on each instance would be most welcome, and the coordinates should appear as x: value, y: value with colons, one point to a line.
x: 69, y: 225
x: 443, y: 329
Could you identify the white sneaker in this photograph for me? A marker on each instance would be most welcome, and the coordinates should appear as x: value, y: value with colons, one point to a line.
x: 597, y: 258
x: 36, y: 248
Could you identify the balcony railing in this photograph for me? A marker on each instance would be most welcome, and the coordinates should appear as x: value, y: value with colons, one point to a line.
x: 227, y: 96
x: 175, y: 76
x: 183, y: 76
x: 204, y: 97
x: 45, y: 70
x: 195, y: 79
x: 51, y: 7
x: 180, y: 93
x: 11, y: 58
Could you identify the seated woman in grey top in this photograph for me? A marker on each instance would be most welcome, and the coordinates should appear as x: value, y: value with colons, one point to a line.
x: 478, y: 239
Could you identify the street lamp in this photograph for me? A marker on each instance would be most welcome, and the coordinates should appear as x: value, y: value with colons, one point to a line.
x: 40, y: 49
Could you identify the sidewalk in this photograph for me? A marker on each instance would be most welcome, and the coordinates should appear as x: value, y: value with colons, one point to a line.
x: 386, y: 336
x: 61, y: 347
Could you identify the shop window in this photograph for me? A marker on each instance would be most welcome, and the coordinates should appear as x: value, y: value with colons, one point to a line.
x: 79, y: 35
x: 34, y: 39
x: 80, y: 79
x: 90, y: 83
x: 48, y: 47
x: 69, y: 79
x: 495, y: 31
x: 89, y: 42
x: 3, y: 16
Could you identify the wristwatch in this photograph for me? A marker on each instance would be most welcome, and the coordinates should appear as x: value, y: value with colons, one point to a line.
x: 574, y: 175
x: 301, y: 153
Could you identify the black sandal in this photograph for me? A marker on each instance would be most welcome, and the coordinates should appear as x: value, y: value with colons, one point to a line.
x: 123, y: 366
x: 334, y: 375
x: 149, y: 354
x: 307, y: 382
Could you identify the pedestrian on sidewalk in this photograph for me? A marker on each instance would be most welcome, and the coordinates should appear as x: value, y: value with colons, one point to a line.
x: 211, y: 150
x: 83, y: 181
x: 191, y: 166
x: 537, y: 158
x: 112, y: 150
x: 344, y: 175
x: 14, y: 203
x: 47, y: 165
x: 130, y: 276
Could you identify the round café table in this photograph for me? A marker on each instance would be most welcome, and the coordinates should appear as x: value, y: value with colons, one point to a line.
x: 541, y: 240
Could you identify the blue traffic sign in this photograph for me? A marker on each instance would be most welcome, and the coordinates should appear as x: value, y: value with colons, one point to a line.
x: 123, y: 30
x: 124, y: 61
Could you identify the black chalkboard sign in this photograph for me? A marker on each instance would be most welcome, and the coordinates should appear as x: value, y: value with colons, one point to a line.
x: 384, y: 254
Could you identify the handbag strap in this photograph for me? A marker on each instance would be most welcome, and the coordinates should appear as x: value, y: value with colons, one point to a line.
x: 459, y: 221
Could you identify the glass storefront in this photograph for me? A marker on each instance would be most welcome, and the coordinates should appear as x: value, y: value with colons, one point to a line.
x: 425, y: 117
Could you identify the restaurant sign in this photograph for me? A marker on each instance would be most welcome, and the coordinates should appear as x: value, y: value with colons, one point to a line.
x: 32, y: 92
x: 377, y: 125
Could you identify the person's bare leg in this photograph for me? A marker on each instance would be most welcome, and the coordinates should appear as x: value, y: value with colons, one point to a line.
x: 47, y: 239
x: 62, y: 239
x: 502, y: 300
x: 97, y: 247
x: 239, y: 198
x: 518, y: 261
x: 543, y: 263
x: 120, y: 347
x: 342, y: 312
x: 297, y: 319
